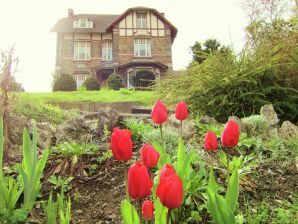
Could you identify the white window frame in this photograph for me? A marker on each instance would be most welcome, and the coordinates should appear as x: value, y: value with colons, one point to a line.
x: 107, y: 51
x: 142, y: 20
x: 82, y: 51
x: 142, y: 47
x: 83, y: 23
x: 132, y: 72
x: 80, y: 79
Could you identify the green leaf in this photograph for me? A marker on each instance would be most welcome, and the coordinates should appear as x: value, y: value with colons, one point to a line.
x: 212, y: 185
x: 129, y: 213
x: 233, y: 190
x: 160, y: 212
x: 158, y: 148
x: 164, y: 159
x: 224, y: 210
x: 213, y: 208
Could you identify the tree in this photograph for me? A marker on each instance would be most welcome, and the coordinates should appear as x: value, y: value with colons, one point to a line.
x: 209, y: 47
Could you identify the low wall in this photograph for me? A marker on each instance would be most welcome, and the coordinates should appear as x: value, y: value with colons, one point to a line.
x: 122, y: 107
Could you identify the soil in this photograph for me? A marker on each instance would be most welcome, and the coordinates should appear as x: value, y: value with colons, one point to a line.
x: 96, y: 194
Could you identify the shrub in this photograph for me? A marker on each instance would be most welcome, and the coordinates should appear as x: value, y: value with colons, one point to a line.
x: 230, y: 84
x: 91, y: 84
x: 65, y: 83
x: 255, y: 124
x: 114, y: 81
x: 138, y: 128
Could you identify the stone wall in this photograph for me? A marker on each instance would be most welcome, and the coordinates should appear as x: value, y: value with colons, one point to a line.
x: 122, y: 107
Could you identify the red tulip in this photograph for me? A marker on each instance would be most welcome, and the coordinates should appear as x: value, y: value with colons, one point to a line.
x: 159, y: 113
x: 139, y: 182
x: 181, y: 112
x: 148, y: 210
x: 121, y: 144
x: 210, y: 141
x: 150, y: 156
x: 166, y: 172
x: 230, y: 134
x: 170, y: 191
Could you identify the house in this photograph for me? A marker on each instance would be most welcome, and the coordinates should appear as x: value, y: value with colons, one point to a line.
x: 98, y: 45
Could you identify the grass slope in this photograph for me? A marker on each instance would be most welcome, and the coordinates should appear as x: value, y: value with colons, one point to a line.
x: 145, y: 98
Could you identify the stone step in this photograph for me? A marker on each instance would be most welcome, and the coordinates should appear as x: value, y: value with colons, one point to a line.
x: 140, y: 110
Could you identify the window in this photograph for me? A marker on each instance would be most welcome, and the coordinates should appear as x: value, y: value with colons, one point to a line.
x: 141, y: 20
x: 107, y: 51
x: 142, y: 47
x: 144, y: 68
x: 83, y: 23
x: 82, y: 51
x: 80, y: 79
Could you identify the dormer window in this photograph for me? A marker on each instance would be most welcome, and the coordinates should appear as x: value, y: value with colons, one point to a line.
x: 83, y: 23
x: 141, y: 20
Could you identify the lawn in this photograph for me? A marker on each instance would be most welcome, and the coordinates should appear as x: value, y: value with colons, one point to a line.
x: 145, y: 98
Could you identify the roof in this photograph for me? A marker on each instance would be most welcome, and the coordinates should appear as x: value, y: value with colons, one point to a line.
x: 100, y: 23
x: 158, y: 14
x: 143, y: 62
x: 103, y: 23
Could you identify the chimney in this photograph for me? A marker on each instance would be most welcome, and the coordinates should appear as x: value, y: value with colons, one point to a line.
x: 70, y: 12
x: 163, y: 14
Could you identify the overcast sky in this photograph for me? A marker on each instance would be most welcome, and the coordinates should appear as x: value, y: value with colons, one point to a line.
x: 27, y: 23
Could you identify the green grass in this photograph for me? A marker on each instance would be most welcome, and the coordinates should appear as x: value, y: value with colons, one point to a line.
x: 145, y: 98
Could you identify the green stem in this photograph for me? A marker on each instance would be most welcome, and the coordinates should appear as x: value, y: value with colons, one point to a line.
x: 140, y: 211
x: 161, y: 136
x: 228, y: 168
x: 125, y: 180
x: 169, y: 216
x: 181, y: 129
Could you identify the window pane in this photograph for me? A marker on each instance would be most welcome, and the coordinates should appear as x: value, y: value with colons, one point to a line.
x: 107, y: 50
x: 142, y: 20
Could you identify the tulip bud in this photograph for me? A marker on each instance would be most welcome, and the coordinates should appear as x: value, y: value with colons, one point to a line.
x: 150, y: 156
x: 166, y: 171
x: 159, y: 113
x: 148, y: 210
x: 230, y: 134
x: 181, y: 112
x: 170, y: 191
x: 210, y: 141
x: 139, y: 182
x: 121, y: 144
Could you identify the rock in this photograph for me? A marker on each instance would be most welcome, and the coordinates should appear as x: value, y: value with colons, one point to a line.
x: 208, y: 120
x: 269, y: 113
x: 17, y: 123
x: 238, y: 121
x: 288, y: 130
x: 45, y: 133
x: 77, y: 129
x: 87, y: 127
x: 107, y: 118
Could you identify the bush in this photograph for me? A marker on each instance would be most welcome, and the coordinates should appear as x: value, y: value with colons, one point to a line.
x: 91, y: 84
x: 114, y: 81
x: 255, y: 125
x: 65, y: 83
x: 229, y: 84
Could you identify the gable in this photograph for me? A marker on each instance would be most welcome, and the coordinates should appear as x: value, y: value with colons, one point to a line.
x: 157, y: 24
